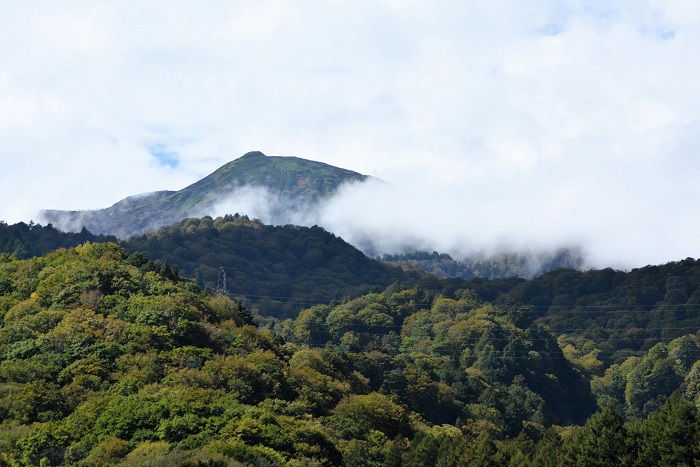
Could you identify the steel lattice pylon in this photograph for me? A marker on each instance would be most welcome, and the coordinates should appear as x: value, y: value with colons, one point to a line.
x: 221, y: 282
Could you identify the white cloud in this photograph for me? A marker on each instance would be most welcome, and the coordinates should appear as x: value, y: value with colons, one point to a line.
x: 258, y: 21
x: 16, y: 108
x: 85, y: 30
x: 538, y: 123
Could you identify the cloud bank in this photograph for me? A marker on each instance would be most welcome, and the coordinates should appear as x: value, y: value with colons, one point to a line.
x: 501, y: 122
x: 381, y: 218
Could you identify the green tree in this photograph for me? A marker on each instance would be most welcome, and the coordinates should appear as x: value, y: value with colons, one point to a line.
x: 651, y: 382
x: 602, y: 441
x: 670, y: 436
x: 357, y: 415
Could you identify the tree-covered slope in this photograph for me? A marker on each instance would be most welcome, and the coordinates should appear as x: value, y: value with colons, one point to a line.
x: 621, y: 311
x: 297, y: 182
x: 512, y: 381
x: 453, y: 359
x: 107, y: 358
x: 278, y: 269
x: 618, y: 313
x: 281, y: 270
x: 104, y: 362
x: 24, y: 241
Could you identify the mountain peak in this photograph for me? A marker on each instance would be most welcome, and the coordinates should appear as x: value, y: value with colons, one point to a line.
x: 251, y: 154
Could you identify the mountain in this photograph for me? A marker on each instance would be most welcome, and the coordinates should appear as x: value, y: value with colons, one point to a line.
x: 525, y: 264
x: 293, y: 182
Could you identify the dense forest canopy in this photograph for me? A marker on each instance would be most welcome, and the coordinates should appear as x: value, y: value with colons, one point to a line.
x: 280, y: 270
x: 109, y: 360
x: 620, y: 310
x: 109, y: 357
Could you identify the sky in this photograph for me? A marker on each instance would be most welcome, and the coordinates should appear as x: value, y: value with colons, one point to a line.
x: 503, y: 124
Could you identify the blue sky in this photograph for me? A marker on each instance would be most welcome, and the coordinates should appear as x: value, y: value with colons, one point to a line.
x: 522, y: 123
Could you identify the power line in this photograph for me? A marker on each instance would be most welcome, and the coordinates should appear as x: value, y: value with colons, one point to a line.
x: 298, y: 301
x: 525, y: 308
x: 350, y: 327
x: 500, y: 354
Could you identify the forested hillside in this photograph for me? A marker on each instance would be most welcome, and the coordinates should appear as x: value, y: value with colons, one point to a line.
x: 519, y: 388
x: 27, y: 240
x: 621, y: 311
x: 103, y: 362
x: 451, y: 356
x: 107, y: 358
x: 280, y: 270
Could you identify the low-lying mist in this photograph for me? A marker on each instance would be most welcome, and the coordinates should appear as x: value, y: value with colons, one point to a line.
x: 381, y: 219
x: 485, y: 221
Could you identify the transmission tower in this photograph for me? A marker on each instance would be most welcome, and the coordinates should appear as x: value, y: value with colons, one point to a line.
x: 221, y: 282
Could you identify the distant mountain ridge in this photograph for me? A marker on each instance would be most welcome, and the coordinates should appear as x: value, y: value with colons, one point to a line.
x: 525, y: 264
x: 297, y: 182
